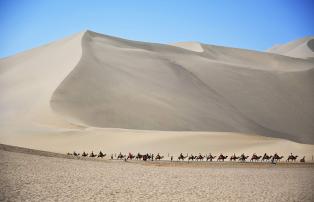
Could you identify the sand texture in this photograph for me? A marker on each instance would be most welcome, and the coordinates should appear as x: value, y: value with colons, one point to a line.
x: 28, y: 177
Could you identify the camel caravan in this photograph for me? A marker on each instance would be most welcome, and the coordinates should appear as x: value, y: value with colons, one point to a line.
x: 219, y: 158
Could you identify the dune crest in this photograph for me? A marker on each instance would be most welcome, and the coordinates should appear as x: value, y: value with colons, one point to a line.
x: 192, y: 46
x: 301, y: 48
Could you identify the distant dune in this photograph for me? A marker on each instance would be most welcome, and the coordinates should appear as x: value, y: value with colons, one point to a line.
x: 74, y: 93
x: 301, y: 48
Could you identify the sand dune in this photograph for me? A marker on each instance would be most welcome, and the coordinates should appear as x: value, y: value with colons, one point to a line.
x: 301, y: 48
x: 72, y: 94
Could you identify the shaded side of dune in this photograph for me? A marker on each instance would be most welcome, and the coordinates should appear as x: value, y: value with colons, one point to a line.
x: 24, y: 150
x: 135, y: 85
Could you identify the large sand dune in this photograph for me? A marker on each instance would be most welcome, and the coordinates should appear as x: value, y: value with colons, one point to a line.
x: 72, y: 93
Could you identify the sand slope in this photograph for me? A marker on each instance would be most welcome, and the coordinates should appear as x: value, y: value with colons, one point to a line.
x: 134, y: 85
x: 301, y: 48
x: 28, y: 79
x: 72, y: 92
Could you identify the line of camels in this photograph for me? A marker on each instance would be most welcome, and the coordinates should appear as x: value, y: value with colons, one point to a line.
x: 242, y: 158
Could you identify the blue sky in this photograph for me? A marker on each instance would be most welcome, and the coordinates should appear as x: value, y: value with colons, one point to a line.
x: 249, y: 24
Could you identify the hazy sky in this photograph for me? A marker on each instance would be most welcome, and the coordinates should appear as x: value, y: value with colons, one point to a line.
x: 249, y: 24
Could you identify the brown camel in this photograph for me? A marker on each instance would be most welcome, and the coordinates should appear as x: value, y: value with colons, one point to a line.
x: 243, y: 158
x: 130, y: 156
x: 158, y: 157
x: 181, y: 157
x: 222, y: 157
x: 139, y: 156
x: 234, y: 157
x: 200, y: 157
x: 210, y: 157
x: 255, y: 158
x: 101, y: 155
x: 85, y: 154
x: 192, y: 157
x: 278, y: 158
x: 266, y: 157
x: 120, y: 156
x: 147, y: 157
x: 92, y: 154
x: 292, y: 158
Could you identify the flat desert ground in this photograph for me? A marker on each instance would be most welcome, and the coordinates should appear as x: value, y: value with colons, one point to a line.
x: 33, y: 177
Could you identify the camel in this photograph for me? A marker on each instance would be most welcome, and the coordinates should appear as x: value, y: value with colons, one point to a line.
x: 222, y: 157
x: 147, y: 157
x: 302, y: 160
x: 191, y: 157
x: 255, y: 158
x: 243, y: 158
x: 92, y: 154
x: 158, y: 157
x: 131, y: 156
x: 292, y: 158
x: 210, y: 157
x: 84, y: 154
x: 101, y: 155
x: 139, y: 156
x: 266, y: 157
x: 200, y: 157
x: 278, y: 158
x: 234, y: 157
x: 181, y: 157
x: 69, y: 154
x: 76, y: 154
x: 120, y: 156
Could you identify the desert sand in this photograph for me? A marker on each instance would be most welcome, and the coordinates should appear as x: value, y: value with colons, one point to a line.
x: 301, y: 48
x: 91, y: 91
x: 30, y: 177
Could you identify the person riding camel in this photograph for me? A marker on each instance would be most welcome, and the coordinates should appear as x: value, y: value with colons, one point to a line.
x: 273, y: 159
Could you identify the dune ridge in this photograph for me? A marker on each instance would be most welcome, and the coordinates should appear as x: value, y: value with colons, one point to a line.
x: 192, y: 46
x: 301, y: 48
